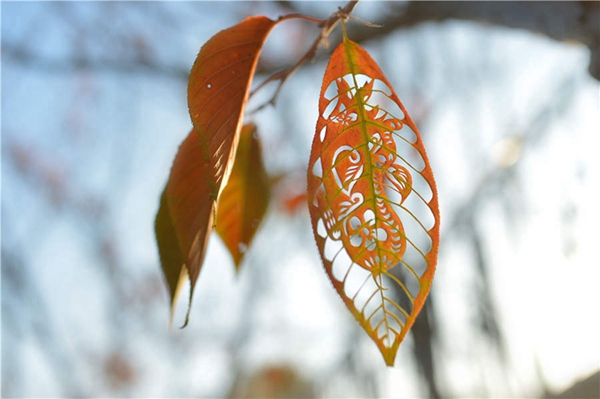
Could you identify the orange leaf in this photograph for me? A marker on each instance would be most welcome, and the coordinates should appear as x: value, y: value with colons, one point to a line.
x: 372, y: 199
x: 290, y: 191
x: 218, y: 90
x: 185, y: 217
x: 245, y: 198
x: 294, y: 202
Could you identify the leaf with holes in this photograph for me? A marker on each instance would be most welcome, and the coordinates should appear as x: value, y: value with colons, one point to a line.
x: 245, y: 198
x: 372, y: 199
x: 218, y: 91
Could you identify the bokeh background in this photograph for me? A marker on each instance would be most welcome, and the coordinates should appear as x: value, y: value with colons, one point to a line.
x: 506, y: 96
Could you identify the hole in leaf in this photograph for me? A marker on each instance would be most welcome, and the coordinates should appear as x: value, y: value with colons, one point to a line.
x: 382, y: 235
x: 356, y: 280
x: 354, y: 223
x: 352, y: 88
x: 404, y: 287
x: 408, y: 155
x: 330, y: 108
x: 406, y: 133
x: 375, y: 314
x: 317, y: 169
x: 414, y: 259
x: 381, y: 87
x: 421, y: 186
x: 360, y: 80
x: 321, y: 229
x: 368, y: 299
x: 331, y: 92
x: 332, y: 247
x: 322, y: 133
x: 381, y: 114
x: 341, y: 264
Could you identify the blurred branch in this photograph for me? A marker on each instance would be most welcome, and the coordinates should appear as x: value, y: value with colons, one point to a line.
x: 495, y: 179
x: 67, y: 65
x: 585, y: 388
x: 424, y: 334
x: 569, y: 20
x: 562, y: 21
x: 327, y: 26
x: 486, y: 309
x: 27, y: 308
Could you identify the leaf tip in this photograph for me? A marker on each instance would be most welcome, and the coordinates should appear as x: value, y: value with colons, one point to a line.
x: 389, y: 357
x: 236, y: 263
x: 189, y: 310
x: 183, y: 276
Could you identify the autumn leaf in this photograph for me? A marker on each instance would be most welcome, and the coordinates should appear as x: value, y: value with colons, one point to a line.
x: 218, y: 90
x: 186, y: 199
x: 372, y: 199
x: 294, y: 202
x: 245, y: 198
x: 289, y: 191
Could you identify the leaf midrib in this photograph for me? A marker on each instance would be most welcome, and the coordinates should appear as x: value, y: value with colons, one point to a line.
x: 369, y: 167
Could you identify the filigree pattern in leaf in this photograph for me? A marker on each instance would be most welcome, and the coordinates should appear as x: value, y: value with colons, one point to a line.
x: 245, y: 198
x: 372, y: 199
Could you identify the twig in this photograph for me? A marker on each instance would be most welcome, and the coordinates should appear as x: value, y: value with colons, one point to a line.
x: 327, y: 27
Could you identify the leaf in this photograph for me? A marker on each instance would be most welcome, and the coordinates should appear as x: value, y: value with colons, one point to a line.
x: 218, y: 90
x: 294, y: 202
x: 290, y: 191
x: 171, y: 257
x: 372, y: 199
x: 245, y: 198
x: 184, y: 200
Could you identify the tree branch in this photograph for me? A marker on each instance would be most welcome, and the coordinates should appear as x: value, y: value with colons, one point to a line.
x: 135, y: 65
x: 563, y: 21
x: 577, y: 21
x: 327, y: 27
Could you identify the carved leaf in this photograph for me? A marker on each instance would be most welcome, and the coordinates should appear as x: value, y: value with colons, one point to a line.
x: 245, y: 198
x: 372, y: 199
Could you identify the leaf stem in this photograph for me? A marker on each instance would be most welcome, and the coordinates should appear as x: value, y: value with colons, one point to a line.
x: 344, y: 36
x: 318, y: 21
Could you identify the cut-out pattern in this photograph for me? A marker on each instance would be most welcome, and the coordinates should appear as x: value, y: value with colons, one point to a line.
x: 372, y: 199
x: 369, y: 228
